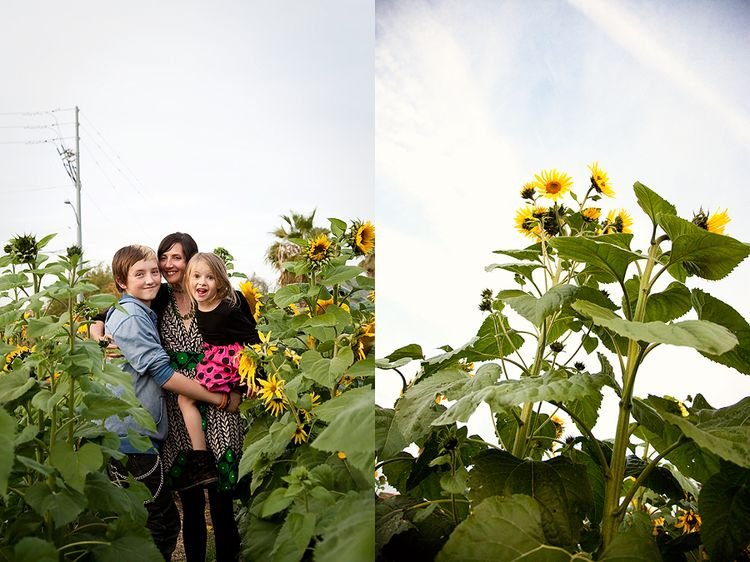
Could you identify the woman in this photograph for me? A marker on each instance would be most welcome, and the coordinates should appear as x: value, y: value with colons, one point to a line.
x: 224, y: 431
x: 181, y: 339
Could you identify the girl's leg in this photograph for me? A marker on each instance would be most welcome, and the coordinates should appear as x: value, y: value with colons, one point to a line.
x: 225, y: 525
x: 193, y: 422
x: 194, y: 524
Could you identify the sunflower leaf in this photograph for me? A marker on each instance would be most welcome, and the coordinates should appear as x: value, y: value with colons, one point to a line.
x: 651, y: 203
x: 416, y: 409
x: 664, y: 306
x: 705, y: 254
x: 502, y: 529
x: 691, y: 460
x: 560, y: 486
x: 7, y: 448
x: 290, y: 294
x: 556, y: 386
x: 698, y: 334
x: 339, y: 274
x: 351, y: 422
x: 633, y: 544
x: 724, y: 504
x: 712, y: 309
x: 531, y: 253
x: 537, y: 310
x: 724, y: 431
x: 388, y: 438
x: 605, y: 255
x: 525, y: 269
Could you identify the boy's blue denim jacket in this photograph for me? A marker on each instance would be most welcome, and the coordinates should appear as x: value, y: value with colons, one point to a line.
x: 136, y: 333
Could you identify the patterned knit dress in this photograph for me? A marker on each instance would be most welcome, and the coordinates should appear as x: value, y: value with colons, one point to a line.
x: 224, y: 430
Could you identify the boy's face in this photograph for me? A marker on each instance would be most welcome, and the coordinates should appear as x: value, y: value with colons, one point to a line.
x: 143, y: 280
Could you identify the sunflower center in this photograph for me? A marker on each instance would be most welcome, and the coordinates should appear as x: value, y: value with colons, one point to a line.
x: 554, y: 187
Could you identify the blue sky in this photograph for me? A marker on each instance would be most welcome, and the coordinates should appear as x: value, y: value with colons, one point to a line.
x: 474, y: 98
x: 211, y: 118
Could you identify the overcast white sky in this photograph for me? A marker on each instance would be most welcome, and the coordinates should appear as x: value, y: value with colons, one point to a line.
x: 212, y: 118
x: 474, y: 98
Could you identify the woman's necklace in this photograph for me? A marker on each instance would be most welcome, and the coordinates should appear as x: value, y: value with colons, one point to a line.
x: 175, y: 309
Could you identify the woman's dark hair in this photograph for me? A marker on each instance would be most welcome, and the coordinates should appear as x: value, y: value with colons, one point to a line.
x: 189, y: 247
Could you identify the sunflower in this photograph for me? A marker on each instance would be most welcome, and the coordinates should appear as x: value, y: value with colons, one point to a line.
x: 292, y: 356
x: 591, y: 214
x: 714, y: 222
x: 252, y: 296
x: 363, y: 238
x: 272, y: 394
x: 20, y: 352
x: 552, y: 184
x: 529, y: 219
x: 618, y: 221
x: 365, y: 339
x: 247, y: 368
x: 658, y: 526
x: 466, y: 366
x: 341, y: 455
x: 600, y: 181
x: 264, y: 347
x: 314, y: 400
x: 688, y: 521
x: 323, y: 304
x: 559, y: 426
x: 300, y: 435
x: 276, y: 406
x: 318, y: 250
x: 528, y: 191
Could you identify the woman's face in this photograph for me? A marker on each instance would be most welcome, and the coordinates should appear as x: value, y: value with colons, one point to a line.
x: 172, y: 264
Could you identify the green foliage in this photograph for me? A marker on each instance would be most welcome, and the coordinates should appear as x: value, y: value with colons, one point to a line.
x: 725, y: 505
x: 57, y: 503
x: 305, y: 470
x: 530, y: 493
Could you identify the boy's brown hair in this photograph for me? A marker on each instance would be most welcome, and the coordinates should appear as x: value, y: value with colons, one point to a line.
x: 124, y: 259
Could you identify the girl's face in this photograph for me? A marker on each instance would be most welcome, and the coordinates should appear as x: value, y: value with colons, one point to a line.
x: 203, y: 285
x: 172, y: 264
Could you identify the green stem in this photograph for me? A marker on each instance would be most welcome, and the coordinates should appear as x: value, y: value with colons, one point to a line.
x: 613, y: 515
x: 646, y: 471
x: 519, y: 444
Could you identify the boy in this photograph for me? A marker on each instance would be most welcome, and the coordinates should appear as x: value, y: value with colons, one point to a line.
x: 136, y: 273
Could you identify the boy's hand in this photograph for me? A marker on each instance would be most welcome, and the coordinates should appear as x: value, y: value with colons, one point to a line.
x: 111, y: 351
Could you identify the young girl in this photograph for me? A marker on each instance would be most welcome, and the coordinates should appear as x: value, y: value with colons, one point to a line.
x: 226, y: 324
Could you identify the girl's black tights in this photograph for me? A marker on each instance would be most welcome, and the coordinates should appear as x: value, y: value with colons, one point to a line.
x: 194, y: 525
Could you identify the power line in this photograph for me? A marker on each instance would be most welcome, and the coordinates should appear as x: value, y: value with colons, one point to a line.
x: 55, y: 139
x: 27, y: 113
x: 90, y: 124
x: 98, y: 165
x: 36, y: 126
x: 18, y: 189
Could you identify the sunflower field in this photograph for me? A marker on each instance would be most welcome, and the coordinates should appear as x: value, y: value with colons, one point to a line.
x: 583, y: 311
x: 304, y: 488
x: 309, y: 458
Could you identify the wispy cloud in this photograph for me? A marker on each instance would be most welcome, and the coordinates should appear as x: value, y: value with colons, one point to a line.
x: 627, y: 30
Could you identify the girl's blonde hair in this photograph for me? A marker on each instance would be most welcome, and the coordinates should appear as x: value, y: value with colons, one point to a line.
x: 224, y: 288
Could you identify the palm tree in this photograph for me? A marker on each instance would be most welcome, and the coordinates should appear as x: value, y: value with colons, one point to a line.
x: 298, y: 226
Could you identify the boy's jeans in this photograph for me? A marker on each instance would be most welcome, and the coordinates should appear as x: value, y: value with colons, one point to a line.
x: 163, y: 518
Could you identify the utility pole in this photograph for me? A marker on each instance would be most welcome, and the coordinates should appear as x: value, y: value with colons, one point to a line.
x: 79, y: 237
x: 72, y: 164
